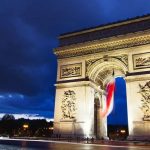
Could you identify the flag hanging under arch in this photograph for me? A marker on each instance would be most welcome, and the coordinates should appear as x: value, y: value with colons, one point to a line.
x: 108, y: 107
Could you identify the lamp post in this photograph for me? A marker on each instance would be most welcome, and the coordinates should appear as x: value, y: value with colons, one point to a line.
x: 25, y: 130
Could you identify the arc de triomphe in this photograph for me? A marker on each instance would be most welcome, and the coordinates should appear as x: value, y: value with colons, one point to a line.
x: 86, y: 60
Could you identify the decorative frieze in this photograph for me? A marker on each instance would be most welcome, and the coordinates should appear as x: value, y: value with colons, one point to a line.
x: 145, y: 93
x: 103, y: 45
x: 141, y: 61
x: 68, y: 106
x: 71, y: 70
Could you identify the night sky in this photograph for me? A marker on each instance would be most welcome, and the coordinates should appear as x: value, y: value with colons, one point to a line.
x: 28, y: 34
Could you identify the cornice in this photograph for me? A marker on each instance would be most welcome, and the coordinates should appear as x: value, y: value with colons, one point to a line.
x: 79, y: 84
x: 113, y: 43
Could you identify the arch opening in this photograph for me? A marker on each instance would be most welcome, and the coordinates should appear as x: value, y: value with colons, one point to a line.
x: 117, y: 121
x: 101, y: 74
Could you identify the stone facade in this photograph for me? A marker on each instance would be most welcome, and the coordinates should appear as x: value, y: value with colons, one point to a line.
x: 85, y: 69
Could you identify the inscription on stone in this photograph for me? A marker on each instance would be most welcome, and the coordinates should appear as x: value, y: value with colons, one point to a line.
x: 71, y: 70
x: 141, y: 61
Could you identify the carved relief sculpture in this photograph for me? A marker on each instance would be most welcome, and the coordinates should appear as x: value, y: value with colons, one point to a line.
x: 141, y: 61
x: 145, y: 93
x: 68, y: 106
x: 71, y: 70
x: 123, y: 58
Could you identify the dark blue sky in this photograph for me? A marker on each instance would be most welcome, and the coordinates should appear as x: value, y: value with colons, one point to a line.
x: 28, y: 33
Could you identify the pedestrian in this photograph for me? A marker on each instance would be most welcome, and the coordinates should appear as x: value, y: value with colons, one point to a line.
x: 87, y: 139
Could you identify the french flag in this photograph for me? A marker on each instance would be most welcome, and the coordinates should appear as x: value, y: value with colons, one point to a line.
x: 109, y: 103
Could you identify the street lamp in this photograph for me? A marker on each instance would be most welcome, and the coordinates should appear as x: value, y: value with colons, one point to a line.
x: 50, y: 128
x: 123, y: 131
x: 25, y: 126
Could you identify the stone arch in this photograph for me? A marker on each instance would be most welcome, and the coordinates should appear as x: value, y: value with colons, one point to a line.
x: 101, y: 71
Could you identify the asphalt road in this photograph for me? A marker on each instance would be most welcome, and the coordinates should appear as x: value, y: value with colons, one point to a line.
x: 66, y: 146
x: 52, y: 145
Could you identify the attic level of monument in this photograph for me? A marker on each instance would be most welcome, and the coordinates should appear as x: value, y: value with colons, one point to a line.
x: 119, y: 28
x: 131, y: 33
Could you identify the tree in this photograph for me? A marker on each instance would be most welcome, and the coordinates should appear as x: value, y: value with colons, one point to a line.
x: 8, y: 117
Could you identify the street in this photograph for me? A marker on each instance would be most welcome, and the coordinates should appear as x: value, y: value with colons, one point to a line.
x: 77, y: 146
x: 62, y: 145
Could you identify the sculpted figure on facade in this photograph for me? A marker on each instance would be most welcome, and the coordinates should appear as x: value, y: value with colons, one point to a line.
x: 68, y: 106
x: 145, y: 93
x: 70, y: 70
x: 141, y: 60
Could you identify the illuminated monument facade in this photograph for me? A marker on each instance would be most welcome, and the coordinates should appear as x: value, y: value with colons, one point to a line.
x: 86, y: 60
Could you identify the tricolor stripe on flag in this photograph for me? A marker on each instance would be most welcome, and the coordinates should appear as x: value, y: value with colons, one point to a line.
x: 108, y: 107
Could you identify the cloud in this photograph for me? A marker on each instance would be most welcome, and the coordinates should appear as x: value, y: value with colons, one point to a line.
x: 15, y: 102
x: 28, y: 116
